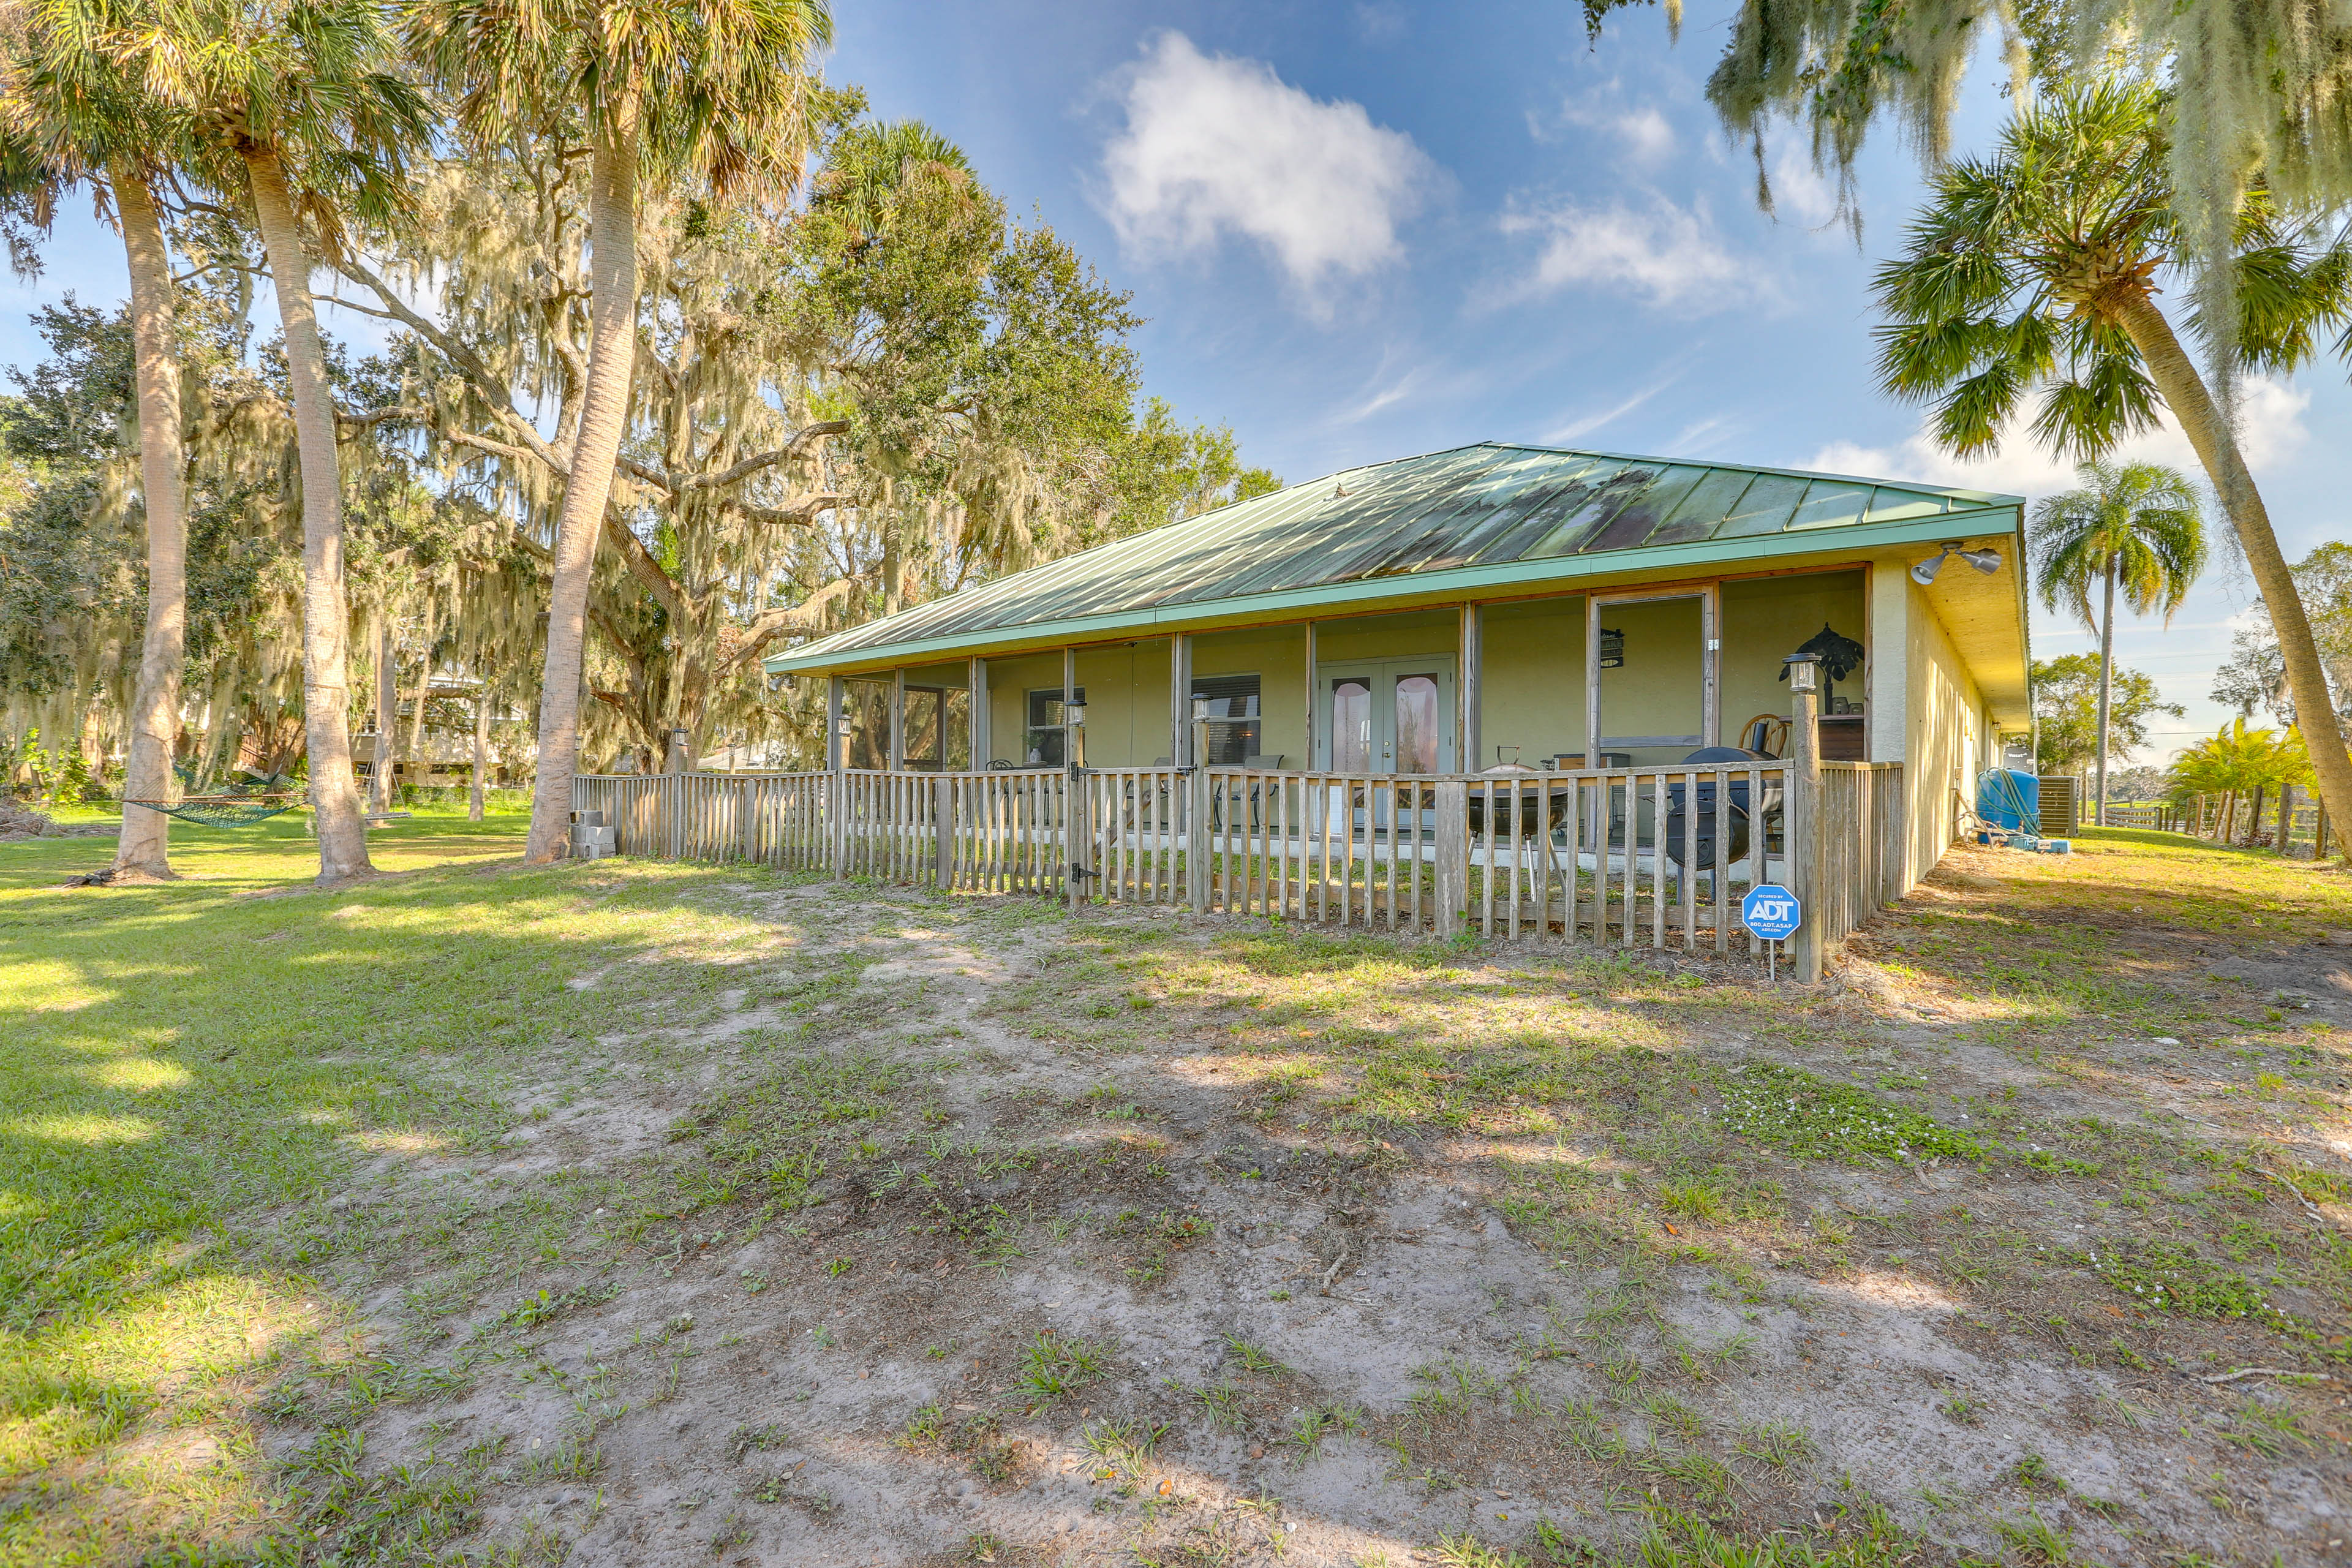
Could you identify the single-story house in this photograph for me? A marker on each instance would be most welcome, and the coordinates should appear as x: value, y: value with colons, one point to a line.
x: 1491, y: 607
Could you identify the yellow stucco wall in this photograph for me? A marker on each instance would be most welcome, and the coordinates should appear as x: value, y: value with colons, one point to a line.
x: 1533, y: 673
x: 1009, y: 680
x: 1765, y: 619
x: 1947, y: 740
x: 1277, y: 656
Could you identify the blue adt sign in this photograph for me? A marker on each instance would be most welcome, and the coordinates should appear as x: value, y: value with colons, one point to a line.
x: 1771, y: 912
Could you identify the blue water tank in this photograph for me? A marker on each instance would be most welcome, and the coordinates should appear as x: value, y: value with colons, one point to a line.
x: 2010, y: 799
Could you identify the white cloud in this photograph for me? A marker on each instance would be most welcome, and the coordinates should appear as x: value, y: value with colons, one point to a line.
x: 1394, y: 393
x: 1798, y: 189
x: 1645, y: 133
x: 1662, y: 253
x: 1218, y: 146
x: 1380, y: 21
x: 1584, y: 425
x: 2270, y: 430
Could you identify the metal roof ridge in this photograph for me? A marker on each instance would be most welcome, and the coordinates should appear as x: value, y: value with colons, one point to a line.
x: 1982, y: 497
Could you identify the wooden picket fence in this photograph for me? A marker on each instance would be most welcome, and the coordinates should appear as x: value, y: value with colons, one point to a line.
x: 1611, y: 857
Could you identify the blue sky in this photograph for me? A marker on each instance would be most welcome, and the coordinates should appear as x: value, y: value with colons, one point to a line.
x: 1367, y: 230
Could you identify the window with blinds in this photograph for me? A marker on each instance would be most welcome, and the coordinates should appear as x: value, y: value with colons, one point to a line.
x: 1234, y: 722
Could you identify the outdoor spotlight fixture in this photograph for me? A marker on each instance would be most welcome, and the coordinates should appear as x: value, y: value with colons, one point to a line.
x: 1798, y: 667
x: 1985, y: 560
x: 1199, y: 709
x: 1074, y: 713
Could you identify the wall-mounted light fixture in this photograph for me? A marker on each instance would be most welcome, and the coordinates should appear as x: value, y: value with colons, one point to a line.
x: 1799, y: 667
x: 1985, y: 560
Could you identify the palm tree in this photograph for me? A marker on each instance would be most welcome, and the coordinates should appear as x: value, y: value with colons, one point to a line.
x: 2037, y: 268
x: 2237, y: 762
x: 300, y: 102
x: 2139, y: 526
x: 712, y: 93
x: 69, y: 118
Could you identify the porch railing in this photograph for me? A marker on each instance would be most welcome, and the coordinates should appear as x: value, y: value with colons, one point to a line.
x: 1614, y: 857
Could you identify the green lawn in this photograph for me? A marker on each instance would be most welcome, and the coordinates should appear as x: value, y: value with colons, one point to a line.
x: 266, y: 1179
x: 189, y: 1069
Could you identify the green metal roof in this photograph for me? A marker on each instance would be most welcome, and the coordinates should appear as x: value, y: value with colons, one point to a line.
x: 1491, y: 505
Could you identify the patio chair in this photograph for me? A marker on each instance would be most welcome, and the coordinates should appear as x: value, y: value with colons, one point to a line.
x: 1768, y: 733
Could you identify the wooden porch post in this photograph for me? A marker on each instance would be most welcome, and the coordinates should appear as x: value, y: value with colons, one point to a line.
x: 1190, y: 799
x: 983, y: 745
x: 1474, y: 752
x: 898, y: 720
x: 1804, y: 828
x: 1179, y: 700
x: 1592, y: 688
x: 1307, y: 760
x: 836, y: 761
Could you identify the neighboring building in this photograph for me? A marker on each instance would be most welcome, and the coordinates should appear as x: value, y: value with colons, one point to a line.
x: 1475, y: 608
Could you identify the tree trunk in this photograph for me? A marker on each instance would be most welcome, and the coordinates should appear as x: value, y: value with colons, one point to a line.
x: 2176, y: 376
x: 603, y: 420
x: 146, y: 844
x: 2254, y: 819
x: 415, y: 751
x: 326, y: 614
x: 2106, y: 690
x: 387, y: 715
x: 481, y: 752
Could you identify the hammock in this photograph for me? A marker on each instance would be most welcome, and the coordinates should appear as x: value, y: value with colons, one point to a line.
x: 238, y: 810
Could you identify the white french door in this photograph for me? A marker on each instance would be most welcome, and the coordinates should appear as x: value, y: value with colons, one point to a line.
x: 1385, y: 716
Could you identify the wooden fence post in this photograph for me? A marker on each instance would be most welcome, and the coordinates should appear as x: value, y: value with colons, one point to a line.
x: 1453, y: 857
x: 943, y: 830
x: 836, y: 824
x: 1074, y: 827
x: 1804, y: 828
x: 1196, y: 835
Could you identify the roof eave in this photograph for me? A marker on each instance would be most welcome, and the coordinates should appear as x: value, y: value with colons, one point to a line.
x: 1667, y: 560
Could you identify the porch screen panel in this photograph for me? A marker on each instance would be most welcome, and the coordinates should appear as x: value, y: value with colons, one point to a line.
x: 867, y: 705
x: 1652, y: 676
x: 926, y: 728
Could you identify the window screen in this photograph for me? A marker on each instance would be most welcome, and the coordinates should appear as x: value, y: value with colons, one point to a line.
x: 867, y: 705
